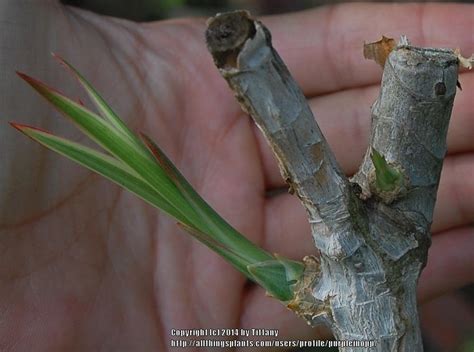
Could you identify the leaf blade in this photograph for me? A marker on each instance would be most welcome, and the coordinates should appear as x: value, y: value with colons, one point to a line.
x: 102, y: 164
x: 121, y: 148
x: 145, y: 170
x: 220, y: 230
x: 106, y: 111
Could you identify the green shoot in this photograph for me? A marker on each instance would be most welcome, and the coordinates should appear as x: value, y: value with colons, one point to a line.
x: 140, y: 166
x: 387, y: 177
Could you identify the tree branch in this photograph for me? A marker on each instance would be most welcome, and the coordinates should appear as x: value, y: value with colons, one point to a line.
x: 242, y: 50
x: 373, y: 238
x: 409, y: 126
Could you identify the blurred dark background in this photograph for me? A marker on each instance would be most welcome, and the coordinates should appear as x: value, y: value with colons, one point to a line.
x: 151, y: 10
x: 447, y: 322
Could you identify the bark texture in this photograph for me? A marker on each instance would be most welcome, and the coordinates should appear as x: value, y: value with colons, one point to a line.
x: 373, y: 243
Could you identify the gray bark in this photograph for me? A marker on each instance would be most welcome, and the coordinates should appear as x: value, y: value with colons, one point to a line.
x: 373, y: 244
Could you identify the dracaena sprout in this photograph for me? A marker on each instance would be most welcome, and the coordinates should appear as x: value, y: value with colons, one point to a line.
x: 137, y: 164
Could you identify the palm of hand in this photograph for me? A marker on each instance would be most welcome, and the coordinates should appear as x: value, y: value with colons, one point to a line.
x: 116, y: 270
x: 90, y: 267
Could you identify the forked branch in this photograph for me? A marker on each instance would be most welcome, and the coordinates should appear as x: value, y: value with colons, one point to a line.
x: 372, y: 235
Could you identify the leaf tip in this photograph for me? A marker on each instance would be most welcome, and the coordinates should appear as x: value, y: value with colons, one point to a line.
x: 26, y: 128
x: 42, y: 88
x: 58, y: 58
x: 23, y: 76
x: 17, y: 126
x: 36, y: 84
x: 20, y: 127
x: 64, y: 63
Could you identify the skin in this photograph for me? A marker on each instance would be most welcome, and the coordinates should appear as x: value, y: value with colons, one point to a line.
x: 86, y: 266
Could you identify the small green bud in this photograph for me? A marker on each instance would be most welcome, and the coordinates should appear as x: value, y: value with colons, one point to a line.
x: 387, y: 178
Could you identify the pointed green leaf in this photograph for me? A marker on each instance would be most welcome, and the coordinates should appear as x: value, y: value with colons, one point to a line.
x: 146, y: 171
x: 217, y: 227
x: 233, y: 258
x: 111, y: 140
x: 104, y: 109
x: 276, y: 276
x: 102, y: 164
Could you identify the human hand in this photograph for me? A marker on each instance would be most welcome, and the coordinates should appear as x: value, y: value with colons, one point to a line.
x: 86, y: 266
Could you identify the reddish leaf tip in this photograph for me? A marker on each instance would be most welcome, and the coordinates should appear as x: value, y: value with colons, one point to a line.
x: 17, y: 126
x: 57, y: 56
x: 39, y: 86
x: 59, y: 59
x: 22, y: 127
x: 23, y: 75
x: 30, y: 80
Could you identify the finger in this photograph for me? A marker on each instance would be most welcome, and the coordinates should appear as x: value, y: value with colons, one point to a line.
x: 323, y: 47
x: 286, y: 221
x: 344, y: 118
x: 455, y: 206
x: 450, y: 265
